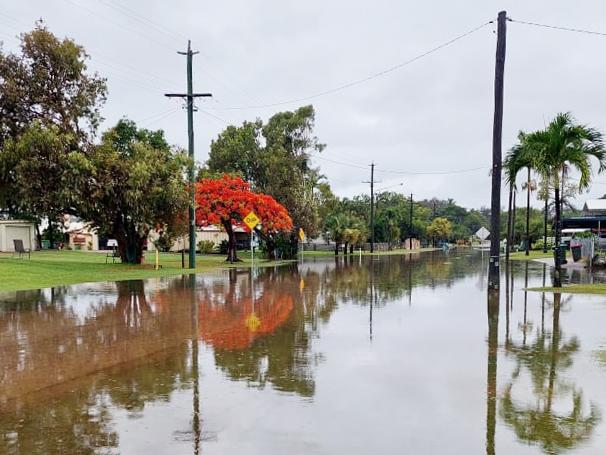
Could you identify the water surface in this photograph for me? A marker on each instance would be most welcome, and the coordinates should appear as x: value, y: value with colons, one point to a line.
x: 391, y: 354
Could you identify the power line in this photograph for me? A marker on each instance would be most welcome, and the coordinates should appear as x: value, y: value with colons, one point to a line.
x: 144, y: 20
x: 367, y: 78
x: 556, y: 27
x: 360, y: 166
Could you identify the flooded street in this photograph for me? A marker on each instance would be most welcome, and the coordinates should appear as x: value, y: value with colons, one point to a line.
x: 372, y: 355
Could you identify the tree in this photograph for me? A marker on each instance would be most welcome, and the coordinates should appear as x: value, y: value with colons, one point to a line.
x: 275, y: 158
x: 564, y: 143
x: 440, y: 228
x: 227, y: 200
x: 46, y: 95
x: 129, y: 184
x: 39, y: 168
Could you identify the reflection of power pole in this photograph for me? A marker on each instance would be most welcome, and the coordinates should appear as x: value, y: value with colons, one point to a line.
x: 495, y: 206
x: 189, y: 96
x: 491, y: 370
x: 196, y: 421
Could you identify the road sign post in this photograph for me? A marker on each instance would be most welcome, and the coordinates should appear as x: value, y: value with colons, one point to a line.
x: 252, y: 220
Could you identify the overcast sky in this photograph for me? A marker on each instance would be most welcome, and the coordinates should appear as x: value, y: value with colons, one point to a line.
x: 434, y: 115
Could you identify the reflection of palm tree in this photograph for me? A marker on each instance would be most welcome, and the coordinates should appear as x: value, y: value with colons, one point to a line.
x: 540, y: 423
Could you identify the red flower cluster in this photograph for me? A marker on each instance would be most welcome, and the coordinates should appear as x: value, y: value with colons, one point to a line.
x: 230, y: 198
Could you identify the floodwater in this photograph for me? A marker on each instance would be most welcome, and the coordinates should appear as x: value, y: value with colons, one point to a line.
x: 384, y: 355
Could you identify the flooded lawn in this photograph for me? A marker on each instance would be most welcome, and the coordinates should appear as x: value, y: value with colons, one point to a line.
x: 383, y: 355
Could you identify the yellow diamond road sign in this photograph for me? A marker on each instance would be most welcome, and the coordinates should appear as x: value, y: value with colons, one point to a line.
x: 251, y: 220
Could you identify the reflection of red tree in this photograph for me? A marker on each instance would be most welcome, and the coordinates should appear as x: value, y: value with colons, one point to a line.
x: 229, y: 326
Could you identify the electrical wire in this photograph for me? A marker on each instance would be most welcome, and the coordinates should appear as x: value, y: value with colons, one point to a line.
x: 556, y: 27
x: 361, y: 166
x: 366, y: 78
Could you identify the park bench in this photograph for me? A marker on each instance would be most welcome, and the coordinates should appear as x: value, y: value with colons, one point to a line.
x: 113, y: 255
x: 19, y: 248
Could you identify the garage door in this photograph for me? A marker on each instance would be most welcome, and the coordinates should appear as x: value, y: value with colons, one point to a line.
x: 19, y: 233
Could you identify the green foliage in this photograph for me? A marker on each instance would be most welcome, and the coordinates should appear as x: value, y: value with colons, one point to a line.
x: 274, y: 156
x: 440, y: 228
x: 47, y: 101
x: 206, y: 246
x: 132, y: 183
x: 538, y: 245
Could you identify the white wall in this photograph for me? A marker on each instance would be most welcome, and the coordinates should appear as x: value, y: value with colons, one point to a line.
x: 16, y: 229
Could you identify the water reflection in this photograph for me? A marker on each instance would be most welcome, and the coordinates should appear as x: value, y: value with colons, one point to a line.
x: 539, y: 421
x: 81, y: 365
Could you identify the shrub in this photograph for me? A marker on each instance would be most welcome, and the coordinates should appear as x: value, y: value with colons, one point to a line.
x: 538, y: 245
x: 206, y: 246
x: 223, y: 247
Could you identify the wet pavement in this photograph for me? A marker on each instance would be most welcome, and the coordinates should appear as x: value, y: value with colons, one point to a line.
x: 381, y: 355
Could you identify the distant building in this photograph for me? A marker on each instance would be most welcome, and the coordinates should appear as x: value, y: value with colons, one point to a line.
x: 213, y: 233
x: 79, y: 234
x: 595, y: 207
x: 16, y: 230
x: 593, y: 218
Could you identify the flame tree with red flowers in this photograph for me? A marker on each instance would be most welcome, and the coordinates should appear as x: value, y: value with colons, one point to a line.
x: 228, y: 199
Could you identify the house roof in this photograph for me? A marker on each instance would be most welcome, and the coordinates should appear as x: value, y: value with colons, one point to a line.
x: 595, y: 204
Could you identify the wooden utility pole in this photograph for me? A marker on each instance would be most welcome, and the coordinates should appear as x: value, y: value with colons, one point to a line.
x: 410, y: 233
x: 497, y: 133
x: 372, y: 207
x: 189, y: 97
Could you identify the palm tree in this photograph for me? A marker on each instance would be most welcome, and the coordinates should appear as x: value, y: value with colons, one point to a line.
x: 563, y: 144
x: 517, y: 159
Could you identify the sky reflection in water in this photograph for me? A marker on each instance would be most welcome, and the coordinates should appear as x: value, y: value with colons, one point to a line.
x: 362, y: 355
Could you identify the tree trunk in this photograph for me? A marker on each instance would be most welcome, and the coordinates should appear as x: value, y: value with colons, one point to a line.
x: 336, y: 248
x: 130, y: 242
x: 509, y: 228
x: 557, y: 278
x: 38, y: 236
x: 545, y: 226
x: 50, y: 234
x: 346, y: 248
x: 528, y: 214
x: 351, y: 249
x: 232, y: 255
x: 513, y: 219
x: 270, y: 246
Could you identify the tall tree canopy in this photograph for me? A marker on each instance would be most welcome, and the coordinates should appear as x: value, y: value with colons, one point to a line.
x: 44, y: 88
x: 227, y: 200
x: 133, y: 183
x: 275, y: 158
x: 564, y: 144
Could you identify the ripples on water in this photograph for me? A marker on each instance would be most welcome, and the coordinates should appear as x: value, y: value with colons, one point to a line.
x: 372, y: 355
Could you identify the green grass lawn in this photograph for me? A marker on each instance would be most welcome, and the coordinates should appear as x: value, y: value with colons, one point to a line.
x: 598, y: 288
x: 538, y: 254
x: 53, y: 268
x: 364, y: 253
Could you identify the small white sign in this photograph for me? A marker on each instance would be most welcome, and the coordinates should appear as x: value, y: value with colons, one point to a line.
x: 483, y: 233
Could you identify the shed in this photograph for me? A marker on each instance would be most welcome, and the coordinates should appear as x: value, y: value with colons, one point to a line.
x: 16, y: 230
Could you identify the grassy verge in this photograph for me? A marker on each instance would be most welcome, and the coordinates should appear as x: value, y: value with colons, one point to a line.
x: 365, y: 253
x: 53, y: 268
x: 598, y: 288
x: 521, y: 255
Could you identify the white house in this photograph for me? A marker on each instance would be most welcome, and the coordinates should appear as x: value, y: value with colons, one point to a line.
x: 16, y: 230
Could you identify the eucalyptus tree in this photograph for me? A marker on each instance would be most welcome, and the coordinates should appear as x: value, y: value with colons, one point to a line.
x: 565, y: 144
